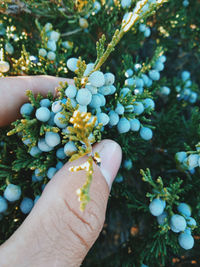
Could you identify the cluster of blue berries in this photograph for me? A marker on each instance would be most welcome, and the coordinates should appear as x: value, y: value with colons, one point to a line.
x: 50, y: 47
x: 181, y: 223
x: 145, y: 30
x: 184, y: 90
x: 188, y: 161
x: 12, y: 193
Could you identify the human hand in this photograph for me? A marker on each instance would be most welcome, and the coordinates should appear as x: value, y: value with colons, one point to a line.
x: 56, y: 232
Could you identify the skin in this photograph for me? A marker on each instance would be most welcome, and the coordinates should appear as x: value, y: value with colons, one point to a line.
x: 56, y: 232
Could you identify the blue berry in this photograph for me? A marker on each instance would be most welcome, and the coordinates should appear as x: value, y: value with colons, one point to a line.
x: 181, y: 156
x: 145, y: 79
x: 36, y: 199
x: 51, y: 120
x: 84, y: 97
x: 26, y: 205
x: 184, y: 209
x: 105, y: 90
x: 137, y: 66
x: 88, y: 69
x: 12, y: 192
x: 129, y: 82
x: 165, y: 90
x: 135, y: 125
x: 103, y: 118
x: 51, y: 45
x: 139, y: 82
x: 96, y: 101
x: 58, y: 122
x: 92, y: 89
x: 42, y: 52
x: 125, y: 3
x: 70, y: 148
x: 45, y: 102
x: 162, y: 218
x: 193, y: 160
x: 146, y: 133
x: 52, y: 139
x: 119, y: 109
x: 51, y: 55
x: 35, y: 151
x: 128, y: 73
x: 186, y: 241
x: 97, y: 79
x: 42, y: 145
x: 26, y: 109
x: 59, y: 165
x: 43, y: 114
x: 142, y: 27
x: 119, y: 178
x: 3, y: 204
x: 156, y: 207
x: 123, y: 125
x: 191, y: 222
x: 185, y: 75
x: 149, y: 103
x: 128, y: 164
x: 82, y: 108
x: 51, y: 172
x: 72, y: 63
x: 147, y: 32
x: 154, y: 75
x: 109, y: 78
x: 124, y: 91
x: 56, y: 106
x: 159, y: 66
x: 71, y: 91
x: 27, y: 141
x: 178, y: 223
x: 138, y: 108
x: 113, y: 118
x: 129, y: 108
x: 60, y: 154
x: 54, y: 36
x: 162, y: 58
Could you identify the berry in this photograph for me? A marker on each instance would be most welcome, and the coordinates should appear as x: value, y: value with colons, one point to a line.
x: 193, y: 160
x: 9, y: 48
x: 82, y: 108
x: 97, y: 79
x: 130, y: 82
x: 26, y: 141
x: 70, y: 148
x: 43, y: 114
x: 149, y: 103
x: 42, y: 52
x: 36, y: 199
x: 159, y: 66
x: 84, y: 97
x: 191, y: 222
x: 12, y: 192
x: 184, y: 209
x: 103, y: 118
x: 35, y: 151
x: 162, y: 58
x: 145, y: 79
x: 105, y: 90
x: 125, y: 3
x: 103, y: 100
x: 142, y: 27
x: 138, y: 108
x: 3, y: 204
x: 180, y: 156
x: 88, y: 69
x: 51, y: 45
x: 51, y: 55
x: 177, y: 223
x: 185, y: 75
x: 137, y: 66
x: 45, y: 102
x: 59, y: 165
x: 26, y: 109
x: 119, y: 178
x: 128, y: 73
x: 119, y: 109
x: 162, y: 218
x: 109, y: 78
x: 123, y: 125
x: 146, y: 133
x: 156, y: 207
x: 113, y: 118
x: 52, y: 139
x: 128, y: 164
x: 139, y: 82
x: 72, y: 63
x: 54, y: 36
x: 51, y: 172
x: 56, y: 106
x: 165, y: 90
x: 58, y: 122
x: 186, y: 241
x: 42, y: 145
x: 71, y: 91
x: 4, y: 66
x: 154, y: 75
x: 147, y: 32
x: 124, y: 91
x: 26, y: 205
x: 96, y: 101
x: 60, y: 153
x: 135, y: 125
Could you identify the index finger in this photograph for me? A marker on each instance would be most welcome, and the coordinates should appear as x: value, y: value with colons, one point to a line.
x: 13, y: 93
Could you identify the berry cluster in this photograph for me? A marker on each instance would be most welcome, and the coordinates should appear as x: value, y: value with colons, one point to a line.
x: 184, y: 90
x: 180, y: 223
x: 145, y: 30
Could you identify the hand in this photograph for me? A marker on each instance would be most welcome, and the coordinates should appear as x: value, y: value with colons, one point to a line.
x: 56, y: 232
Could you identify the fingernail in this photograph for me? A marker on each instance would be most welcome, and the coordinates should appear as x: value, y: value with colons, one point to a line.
x: 110, y: 154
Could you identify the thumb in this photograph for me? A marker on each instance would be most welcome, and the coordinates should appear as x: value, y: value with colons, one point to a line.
x: 56, y: 232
